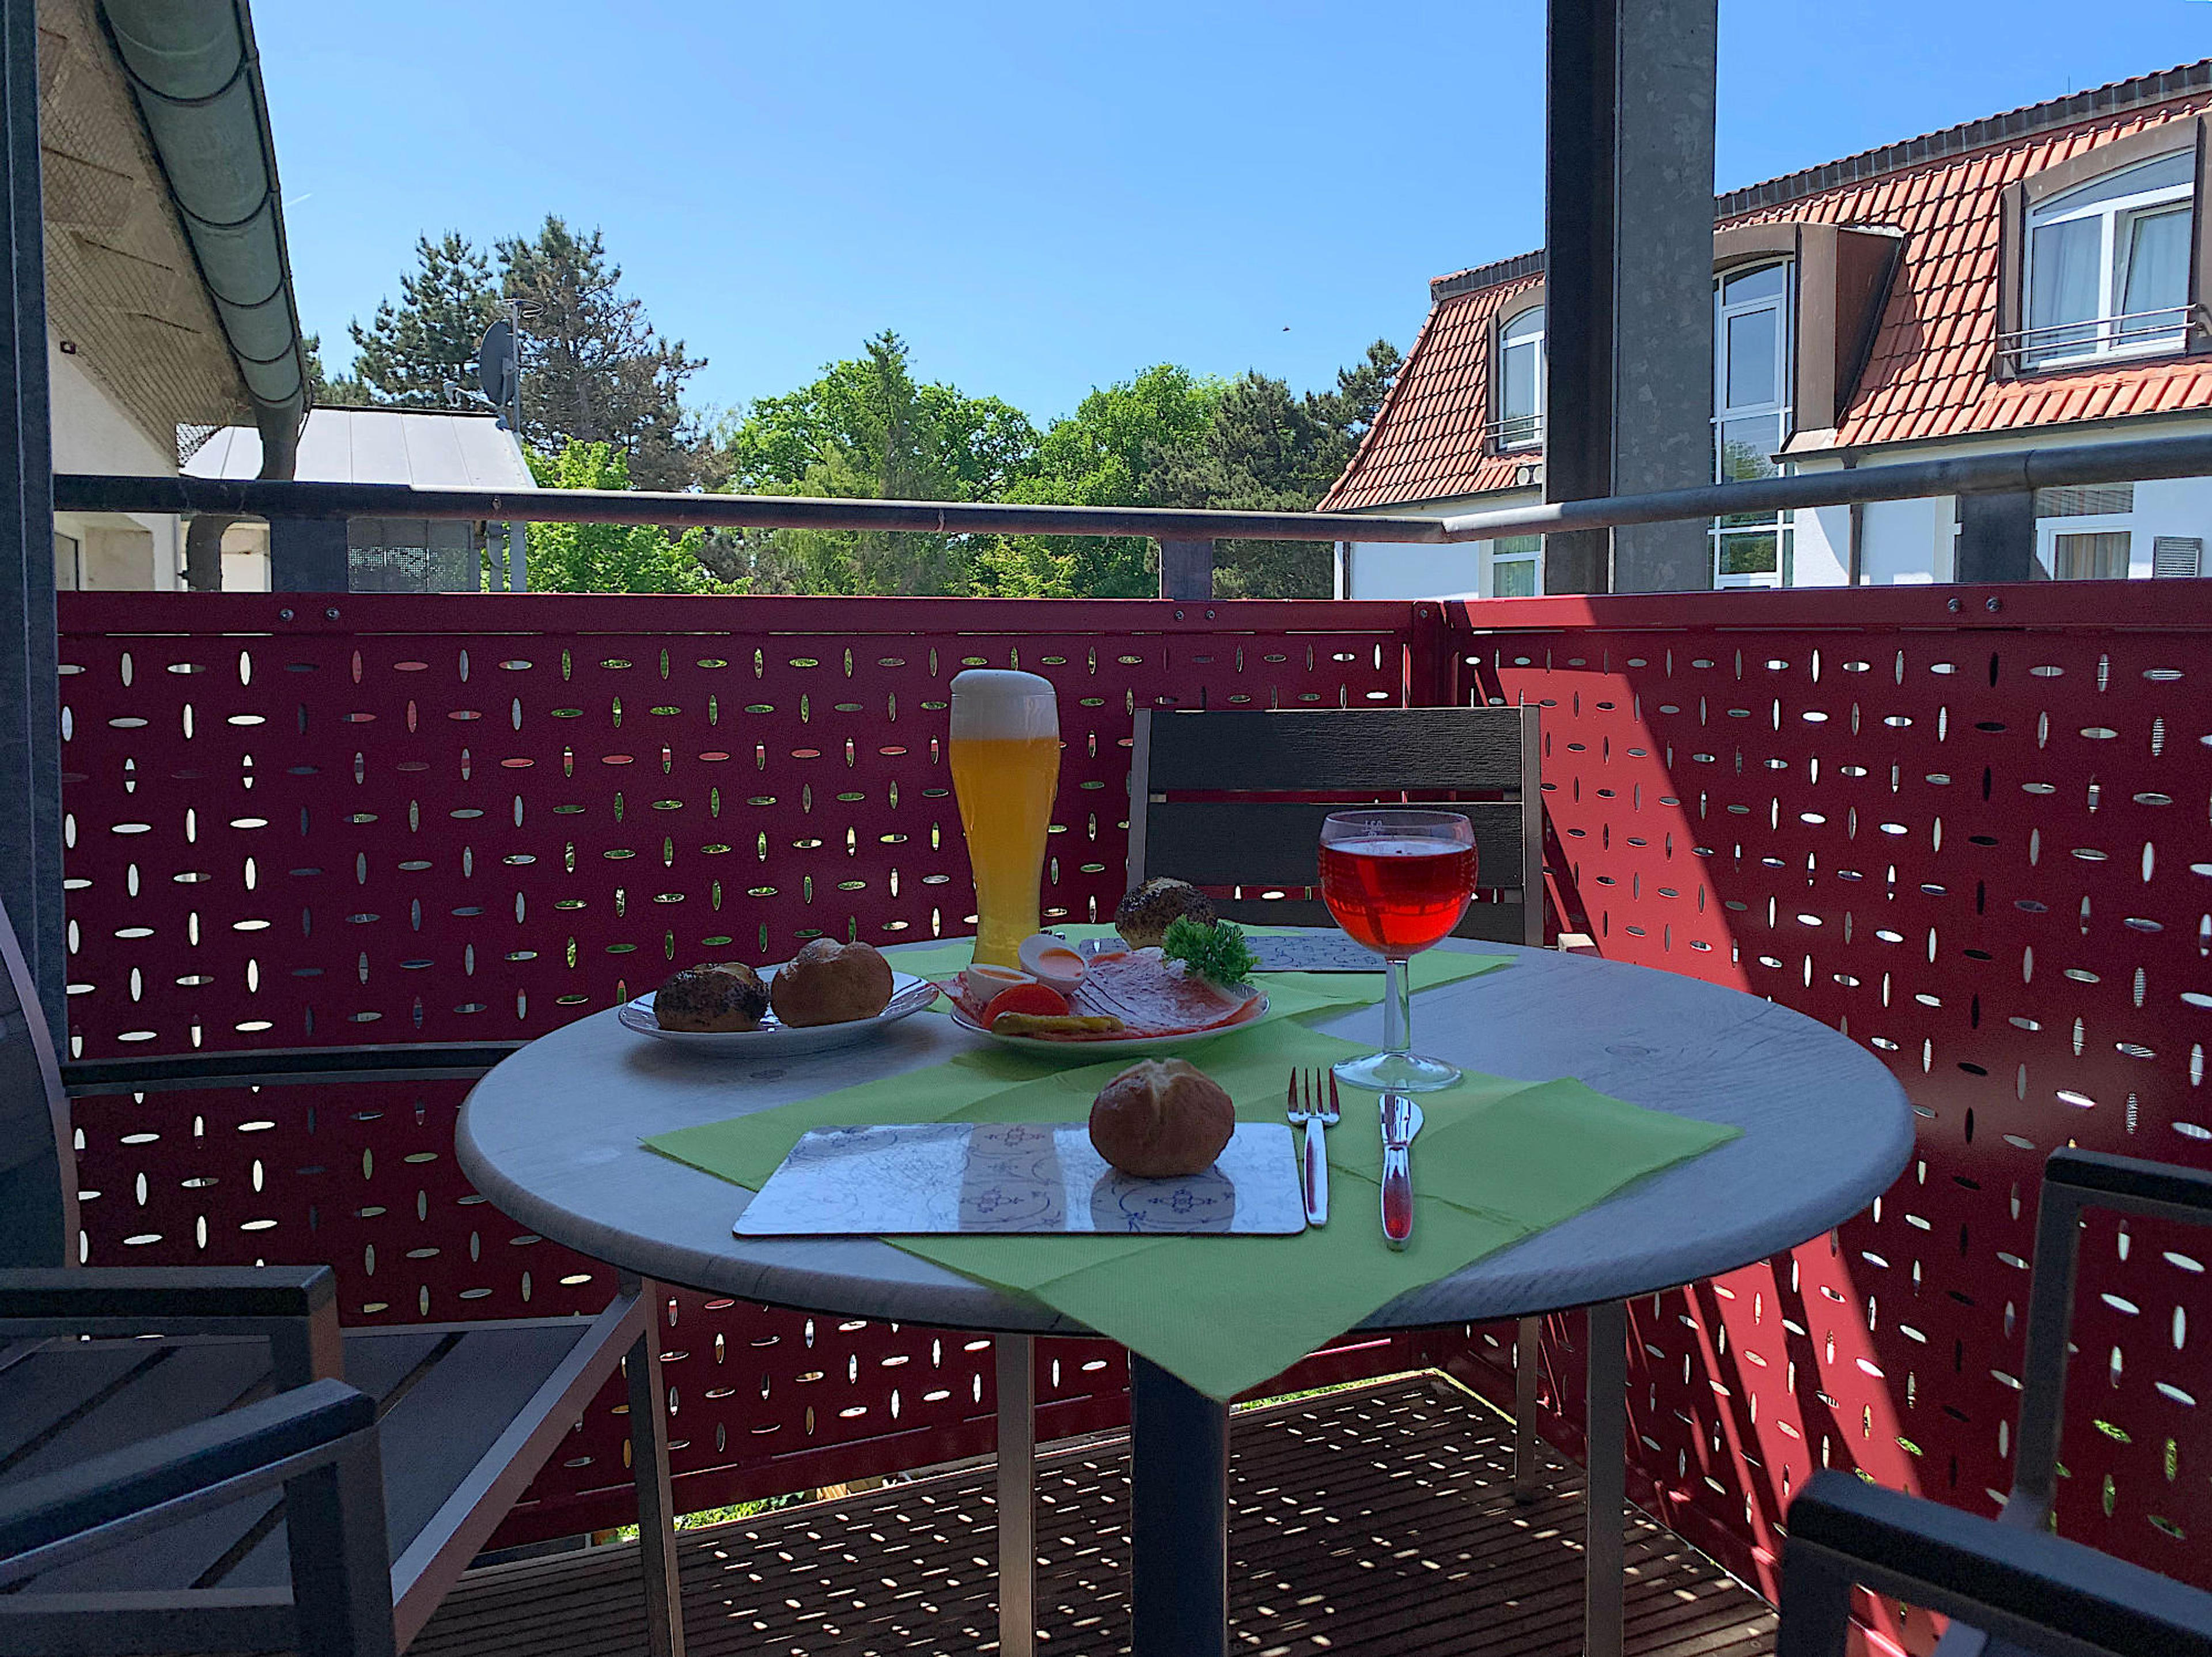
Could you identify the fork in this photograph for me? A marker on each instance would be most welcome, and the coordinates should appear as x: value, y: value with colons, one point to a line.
x: 1306, y: 1105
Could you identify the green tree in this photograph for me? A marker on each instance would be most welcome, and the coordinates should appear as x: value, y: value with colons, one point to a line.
x: 408, y: 351
x: 867, y: 429
x: 609, y: 558
x: 593, y: 368
x: 323, y: 392
x: 1110, y: 452
x: 1266, y: 450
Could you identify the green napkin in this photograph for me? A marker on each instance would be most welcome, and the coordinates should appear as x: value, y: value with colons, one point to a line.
x: 1498, y: 1161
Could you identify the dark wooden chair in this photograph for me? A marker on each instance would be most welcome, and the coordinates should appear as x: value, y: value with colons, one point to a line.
x: 2033, y: 1592
x: 2072, y: 1181
x: 1265, y: 781
x: 257, y: 1479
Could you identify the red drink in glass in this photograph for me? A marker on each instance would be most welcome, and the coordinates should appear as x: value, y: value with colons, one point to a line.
x: 1396, y: 896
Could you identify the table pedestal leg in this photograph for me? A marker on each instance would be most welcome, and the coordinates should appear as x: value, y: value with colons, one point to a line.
x: 1179, y: 1517
x: 1605, y: 1457
x: 1017, y: 1378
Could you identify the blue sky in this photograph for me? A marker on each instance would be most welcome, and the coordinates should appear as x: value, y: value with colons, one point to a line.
x: 1045, y: 198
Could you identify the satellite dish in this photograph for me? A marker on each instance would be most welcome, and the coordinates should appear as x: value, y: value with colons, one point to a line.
x: 496, y: 367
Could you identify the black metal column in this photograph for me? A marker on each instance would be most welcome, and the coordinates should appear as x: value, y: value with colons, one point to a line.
x: 30, y: 713
x: 1178, y: 1518
x: 1628, y: 204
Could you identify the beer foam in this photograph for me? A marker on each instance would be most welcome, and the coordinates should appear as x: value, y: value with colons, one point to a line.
x: 998, y: 704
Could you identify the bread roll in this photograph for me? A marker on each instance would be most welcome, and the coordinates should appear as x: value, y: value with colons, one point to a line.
x: 714, y: 997
x: 829, y: 983
x: 1162, y: 1118
x: 1144, y: 915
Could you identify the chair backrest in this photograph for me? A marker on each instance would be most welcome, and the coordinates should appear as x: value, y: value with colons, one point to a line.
x: 38, y: 1164
x: 1234, y: 834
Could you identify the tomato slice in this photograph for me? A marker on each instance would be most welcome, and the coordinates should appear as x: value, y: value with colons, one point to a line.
x: 1039, y: 998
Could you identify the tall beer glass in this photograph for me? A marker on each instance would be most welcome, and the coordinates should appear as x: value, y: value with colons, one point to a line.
x: 1006, y: 770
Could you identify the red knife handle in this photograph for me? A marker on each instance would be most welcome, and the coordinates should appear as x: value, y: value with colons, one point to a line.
x: 1397, y: 1195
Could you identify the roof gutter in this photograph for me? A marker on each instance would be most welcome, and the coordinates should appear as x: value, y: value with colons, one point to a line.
x: 196, y: 77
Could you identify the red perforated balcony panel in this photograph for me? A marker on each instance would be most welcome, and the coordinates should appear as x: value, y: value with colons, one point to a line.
x: 1978, y: 841
x: 302, y: 821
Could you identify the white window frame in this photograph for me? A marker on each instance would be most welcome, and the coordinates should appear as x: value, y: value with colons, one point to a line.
x: 1534, y: 436
x: 2048, y: 530
x: 2118, y: 216
x: 1785, y: 367
x: 1492, y: 561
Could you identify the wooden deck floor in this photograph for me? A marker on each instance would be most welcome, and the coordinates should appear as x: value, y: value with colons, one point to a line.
x: 1367, y: 1524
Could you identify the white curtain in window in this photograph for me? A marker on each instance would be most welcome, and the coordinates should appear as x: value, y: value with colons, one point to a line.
x: 2062, y: 287
x: 2158, y: 262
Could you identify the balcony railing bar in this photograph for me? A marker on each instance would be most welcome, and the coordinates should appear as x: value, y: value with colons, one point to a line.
x: 2101, y: 336
x: 2015, y: 471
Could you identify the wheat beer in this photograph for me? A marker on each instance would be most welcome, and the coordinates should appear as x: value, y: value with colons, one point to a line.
x: 1006, y: 770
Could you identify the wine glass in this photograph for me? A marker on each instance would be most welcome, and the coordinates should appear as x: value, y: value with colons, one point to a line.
x: 1397, y: 881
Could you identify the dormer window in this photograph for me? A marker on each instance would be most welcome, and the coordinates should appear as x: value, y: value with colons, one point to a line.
x: 2108, y: 266
x: 2106, y: 256
x: 1520, y: 423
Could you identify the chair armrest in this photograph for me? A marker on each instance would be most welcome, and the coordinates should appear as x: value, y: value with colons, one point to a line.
x: 2031, y: 1588
x: 295, y: 1308
x: 2094, y: 1179
x: 161, y: 1293
x: 167, y: 1477
x: 435, y: 1060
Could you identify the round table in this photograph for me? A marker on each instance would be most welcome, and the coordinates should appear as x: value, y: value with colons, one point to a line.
x: 551, y: 1136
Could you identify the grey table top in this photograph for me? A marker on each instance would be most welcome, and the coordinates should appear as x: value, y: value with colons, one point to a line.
x: 552, y: 1134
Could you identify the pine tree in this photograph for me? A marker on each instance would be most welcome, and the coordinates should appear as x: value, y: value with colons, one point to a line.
x: 593, y: 369
x: 407, y: 354
x: 323, y: 392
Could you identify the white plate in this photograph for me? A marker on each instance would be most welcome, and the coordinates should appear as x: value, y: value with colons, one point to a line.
x: 910, y: 994
x: 1114, y: 1046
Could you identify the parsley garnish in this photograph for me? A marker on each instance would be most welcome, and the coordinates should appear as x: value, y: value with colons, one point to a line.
x: 1216, y: 953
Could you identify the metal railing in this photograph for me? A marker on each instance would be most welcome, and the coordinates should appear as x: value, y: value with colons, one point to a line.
x: 2091, y: 338
x: 1997, y: 473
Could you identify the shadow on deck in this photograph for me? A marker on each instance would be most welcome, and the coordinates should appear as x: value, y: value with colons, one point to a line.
x: 1372, y: 1521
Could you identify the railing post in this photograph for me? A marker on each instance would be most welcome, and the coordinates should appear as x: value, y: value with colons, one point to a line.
x: 30, y: 710
x: 307, y: 555
x: 1628, y: 205
x: 1186, y: 569
x: 1996, y: 537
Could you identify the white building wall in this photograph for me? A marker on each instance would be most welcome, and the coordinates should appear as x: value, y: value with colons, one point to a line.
x: 107, y: 551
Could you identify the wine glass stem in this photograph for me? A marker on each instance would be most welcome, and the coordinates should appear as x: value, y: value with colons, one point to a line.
x: 1398, y: 1006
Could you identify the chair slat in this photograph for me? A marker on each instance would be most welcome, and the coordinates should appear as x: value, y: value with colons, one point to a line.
x: 435, y: 1435
x: 37, y: 1394
x: 1491, y: 923
x: 1350, y: 748
x: 1272, y: 842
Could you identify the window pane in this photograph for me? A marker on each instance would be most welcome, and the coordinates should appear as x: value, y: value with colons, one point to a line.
x: 2157, y: 268
x: 1519, y: 380
x: 1516, y: 580
x: 1763, y: 283
x: 2063, y: 283
x: 2090, y: 557
x: 1527, y: 326
x: 1749, y: 554
x: 1745, y: 444
x: 1753, y: 347
x: 1517, y: 546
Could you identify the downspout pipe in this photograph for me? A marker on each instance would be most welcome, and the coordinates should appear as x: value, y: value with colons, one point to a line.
x: 195, y: 74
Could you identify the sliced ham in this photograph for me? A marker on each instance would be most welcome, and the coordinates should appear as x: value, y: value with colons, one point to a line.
x: 1153, y: 999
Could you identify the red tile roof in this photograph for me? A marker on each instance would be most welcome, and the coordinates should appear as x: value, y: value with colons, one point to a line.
x: 1930, y: 374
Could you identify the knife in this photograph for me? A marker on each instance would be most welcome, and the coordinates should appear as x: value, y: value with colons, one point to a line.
x: 1402, y: 1120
